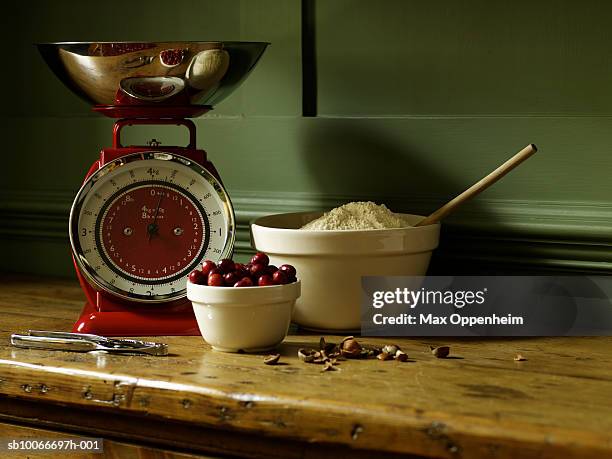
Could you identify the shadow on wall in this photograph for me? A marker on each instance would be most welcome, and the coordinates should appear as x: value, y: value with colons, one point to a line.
x: 360, y: 160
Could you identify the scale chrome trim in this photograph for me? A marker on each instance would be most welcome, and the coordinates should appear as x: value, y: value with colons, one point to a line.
x: 90, y: 273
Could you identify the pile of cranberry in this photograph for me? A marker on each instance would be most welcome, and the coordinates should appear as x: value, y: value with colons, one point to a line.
x: 258, y: 272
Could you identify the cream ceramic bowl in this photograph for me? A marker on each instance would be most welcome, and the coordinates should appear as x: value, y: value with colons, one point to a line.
x: 249, y: 319
x: 330, y: 264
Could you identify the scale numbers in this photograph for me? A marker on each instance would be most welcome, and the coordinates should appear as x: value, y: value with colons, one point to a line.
x: 139, y: 226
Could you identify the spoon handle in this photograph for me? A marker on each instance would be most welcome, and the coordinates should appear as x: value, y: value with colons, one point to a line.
x: 479, y: 186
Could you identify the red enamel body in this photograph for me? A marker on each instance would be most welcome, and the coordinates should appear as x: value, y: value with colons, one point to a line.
x: 108, y: 315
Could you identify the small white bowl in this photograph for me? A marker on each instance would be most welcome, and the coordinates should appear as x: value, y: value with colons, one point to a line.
x: 331, y: 263
x: 249, y: 319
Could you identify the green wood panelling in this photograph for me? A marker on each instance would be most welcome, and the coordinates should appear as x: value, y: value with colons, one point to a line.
x: 474, y: 57
x: 434, y: 158
x: 416, y: 101
x: 516, y: 236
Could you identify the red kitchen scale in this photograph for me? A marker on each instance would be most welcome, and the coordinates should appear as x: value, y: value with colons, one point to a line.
x: 147, y: 215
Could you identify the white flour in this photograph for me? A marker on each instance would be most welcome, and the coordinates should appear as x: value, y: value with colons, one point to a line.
x: 357, y: 216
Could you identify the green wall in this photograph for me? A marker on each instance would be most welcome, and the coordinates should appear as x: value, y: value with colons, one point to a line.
x: 414, y: 102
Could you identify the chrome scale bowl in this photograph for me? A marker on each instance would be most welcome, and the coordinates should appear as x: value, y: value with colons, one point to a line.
x: 152, y: 73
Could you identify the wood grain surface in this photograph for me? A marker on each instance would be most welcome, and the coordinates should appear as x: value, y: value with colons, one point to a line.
x: 480, y: 403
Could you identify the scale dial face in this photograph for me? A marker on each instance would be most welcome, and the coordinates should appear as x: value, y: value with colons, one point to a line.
x: 142, y: 223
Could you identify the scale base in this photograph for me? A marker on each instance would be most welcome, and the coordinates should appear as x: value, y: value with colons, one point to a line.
x: 127, y: 323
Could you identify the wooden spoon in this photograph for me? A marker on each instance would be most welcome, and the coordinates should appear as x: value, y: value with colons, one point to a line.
x: 479, y: 186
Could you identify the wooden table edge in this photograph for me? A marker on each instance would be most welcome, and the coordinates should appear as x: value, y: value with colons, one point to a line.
x: 307, y: 420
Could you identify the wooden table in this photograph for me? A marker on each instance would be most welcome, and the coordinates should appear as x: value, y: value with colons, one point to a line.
x: 557, y: 404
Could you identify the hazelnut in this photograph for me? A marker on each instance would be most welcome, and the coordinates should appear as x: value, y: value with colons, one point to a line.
x: 440, y: 352
x: 350, y: 347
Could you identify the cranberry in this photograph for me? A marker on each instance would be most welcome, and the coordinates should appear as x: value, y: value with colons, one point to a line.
x: 226, y: 265
x: 289, y: 271
x: 257, y: 270
x: 208, y: 266
x: 215, y: 280
x: 197, y: 277
x: 242, y: 270
x: 231, y: 278
x: 260, y: 258
x: 265, y: 280
x: 279, y: 278
x: 244, y: 282
x: 272, y: 269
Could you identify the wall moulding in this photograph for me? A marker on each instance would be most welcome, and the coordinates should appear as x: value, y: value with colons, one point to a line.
x: 505, y: 235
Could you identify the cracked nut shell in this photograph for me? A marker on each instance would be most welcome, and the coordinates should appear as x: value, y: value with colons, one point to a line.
x: 272, y: 359
x: 306, y: 355
x: 390, y: 349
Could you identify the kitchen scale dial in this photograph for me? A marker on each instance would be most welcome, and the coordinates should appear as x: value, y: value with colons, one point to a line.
x: 143, y: 222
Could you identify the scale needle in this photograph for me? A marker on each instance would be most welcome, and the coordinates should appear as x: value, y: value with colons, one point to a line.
x: 152, y: 228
